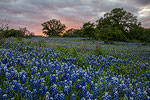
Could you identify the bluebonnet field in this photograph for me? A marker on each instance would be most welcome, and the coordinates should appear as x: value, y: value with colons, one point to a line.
x: 73, y: 69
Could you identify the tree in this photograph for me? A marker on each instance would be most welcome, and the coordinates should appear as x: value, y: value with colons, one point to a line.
x: 70, y: 31
x: 26, y: 32
x: 147, y: 35
x: 120, y: 18
x: 4, y: 26
x: 14, y: 33
x: 88, y: 29
x: 110, y: 34
x: 137, y: 32
x: 53, y: 27
x: 78, y: 32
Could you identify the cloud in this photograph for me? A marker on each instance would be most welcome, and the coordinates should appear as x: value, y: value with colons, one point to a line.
x: 31, y: 13
x: 143, y: 2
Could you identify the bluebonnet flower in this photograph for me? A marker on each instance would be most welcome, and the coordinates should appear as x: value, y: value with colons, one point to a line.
x: 34, y: 70
x: 38, y: 74
x: 89, y: 96
x: 53, y: 90
x: 78, y: 84
x: 24, y: 79
x: 12, y: 90
x: 41, y: 91
x: 21, y: 91
x: 45, y: 89
x: 35, y: 84
x: 61, y: 83
x: 67, y: 90
x: 12, y: 99
x: 7, y: 91
x: 147, y: 75
x: 96, y: 92
x: 34, y: 94
x: 5, y: 97
x: 92, y: 85
x: 83, y: 98
x: 140, y: 94
x: 61, y: 96
x: 56, y: 97
x: 106, y: 96
x: 51, y: 98
x: 115, y: 95
x: 72, y: 97
x: 54, y: 78
x: 67, y: 76
x: 1, y: 93
x: 8, y: 75
x: 28, y: 95
x: 73, y: 77
x: 47, y: 97
x: 84, y: 90
x: 14, y: 74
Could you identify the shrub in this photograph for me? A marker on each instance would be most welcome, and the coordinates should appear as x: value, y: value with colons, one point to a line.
x: 98, y: 50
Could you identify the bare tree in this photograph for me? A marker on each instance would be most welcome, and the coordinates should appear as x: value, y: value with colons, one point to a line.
x: 4, y: 24
x: 26, y: 32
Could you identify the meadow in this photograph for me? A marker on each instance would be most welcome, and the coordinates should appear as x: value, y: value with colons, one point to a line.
x: 73, y: 69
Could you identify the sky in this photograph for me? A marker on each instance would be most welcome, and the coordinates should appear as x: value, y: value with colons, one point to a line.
x: 73, y: 13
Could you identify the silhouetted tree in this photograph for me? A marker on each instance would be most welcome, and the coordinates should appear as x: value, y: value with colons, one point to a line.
x: 26, y: 32
x: 109, y: 34
x: 88, y: 29
x: 147, y: 35
x: 120, y: 18
x: 4, y: 26
x: 53, y: 27
x: 70, y: 31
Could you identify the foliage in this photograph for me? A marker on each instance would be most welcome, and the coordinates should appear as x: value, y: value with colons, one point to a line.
x: 88, y: 29
x: 11, y: 33
x: 119, y: 19
x: 53, y: 27
x: 110, y: 34
x: 26, y: 32
x: 5, y: 32
x: 78, y: 32
x: 118, y: 25
x: 98, y: 50
x: 147, y: 35
x: 70, y: 33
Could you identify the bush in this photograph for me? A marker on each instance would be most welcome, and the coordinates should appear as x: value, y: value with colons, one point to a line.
x: 11, y: 33
x: 98, y: 50
x: 110, y: 34
x: 2, y: 41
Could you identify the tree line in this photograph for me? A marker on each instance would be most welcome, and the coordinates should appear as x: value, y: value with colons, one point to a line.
x: 117, y: 25
x: 6, y: 32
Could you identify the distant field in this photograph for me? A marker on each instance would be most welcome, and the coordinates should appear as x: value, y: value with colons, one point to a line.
x: 73, y: 69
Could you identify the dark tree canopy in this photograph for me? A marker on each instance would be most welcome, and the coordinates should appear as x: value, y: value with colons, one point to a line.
x: 70, y: 31
x: 88, y: 29
x: 53, y: 27
x: 120, y: 19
